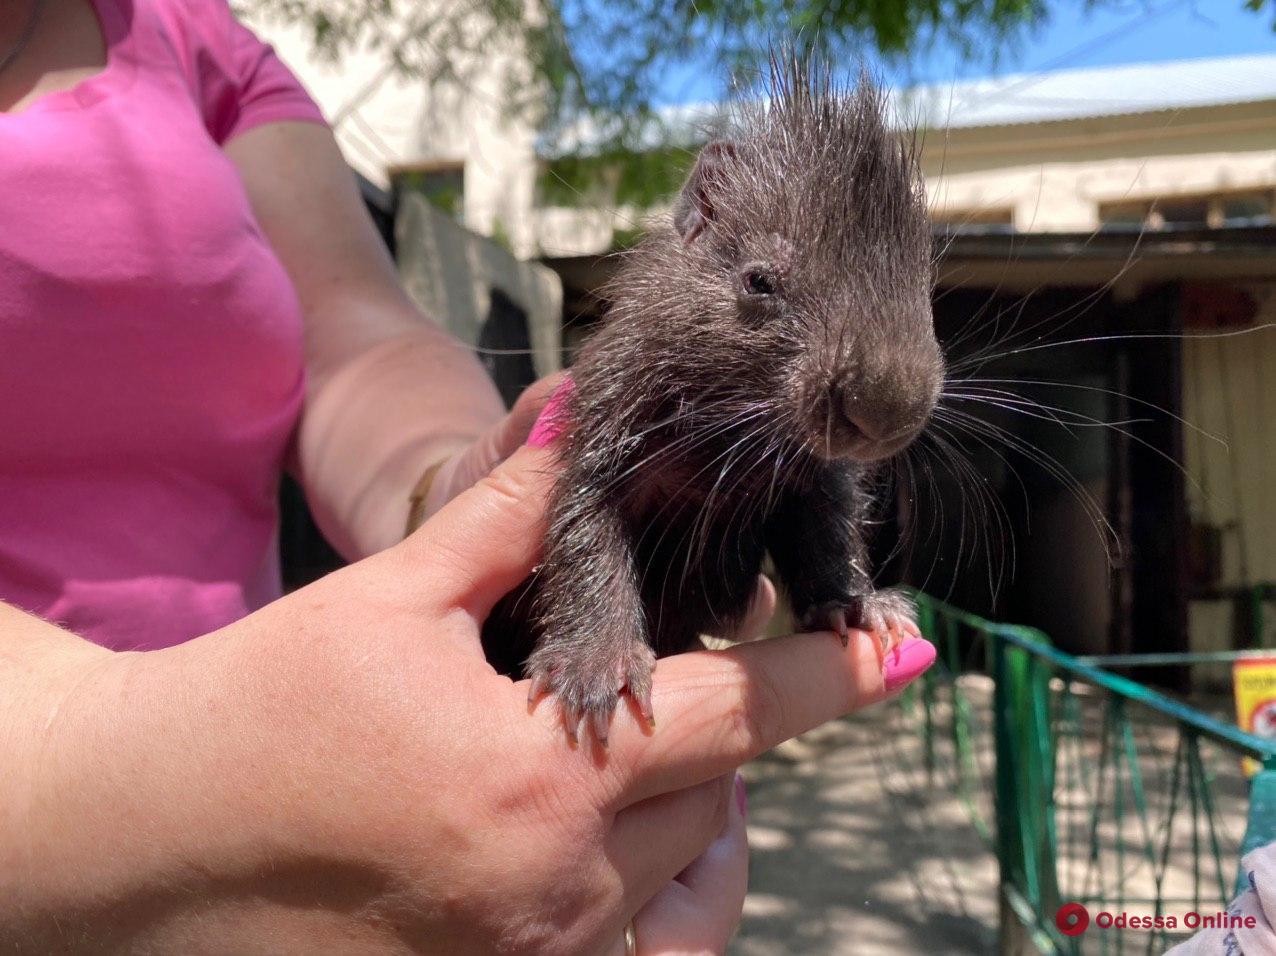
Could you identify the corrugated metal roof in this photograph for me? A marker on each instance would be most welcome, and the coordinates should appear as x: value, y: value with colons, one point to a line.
x: 1104, y: 91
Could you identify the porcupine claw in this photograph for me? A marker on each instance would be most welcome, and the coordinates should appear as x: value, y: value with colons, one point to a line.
x: 589, y: 686
x: 539, y: 685
x: 830, y: 616
x: 888, y: 614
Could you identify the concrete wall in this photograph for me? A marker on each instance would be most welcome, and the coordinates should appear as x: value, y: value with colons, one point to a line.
x: 450, y: 273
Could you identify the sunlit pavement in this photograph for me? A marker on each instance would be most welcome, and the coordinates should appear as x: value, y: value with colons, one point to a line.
x: 853, y: 853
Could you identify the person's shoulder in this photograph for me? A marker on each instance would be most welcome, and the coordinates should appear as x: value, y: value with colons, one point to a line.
x: 196, y: 28
x: 234, y: 77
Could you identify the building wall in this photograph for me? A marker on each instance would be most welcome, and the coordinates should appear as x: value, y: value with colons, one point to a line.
x: 1050, y: 177
x: 1230, y: 393
x: 384, y: 120
x: 1054, y: 176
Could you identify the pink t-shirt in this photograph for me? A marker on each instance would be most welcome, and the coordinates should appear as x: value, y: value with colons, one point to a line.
x: 150, y: 339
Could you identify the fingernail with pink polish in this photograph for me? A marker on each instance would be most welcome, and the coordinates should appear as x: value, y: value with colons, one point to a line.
x: 550, y: 424
x: 741, y: 796
x: 907, y: 663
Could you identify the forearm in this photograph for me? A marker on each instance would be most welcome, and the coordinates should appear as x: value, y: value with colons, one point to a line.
x: 389, y: 392
x: 122, y: 820
x: 375, y: 423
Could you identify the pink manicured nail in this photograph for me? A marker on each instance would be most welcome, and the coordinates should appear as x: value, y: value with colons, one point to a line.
x: 907, y: 663
x: 549, y: 424
x: 741, y: 797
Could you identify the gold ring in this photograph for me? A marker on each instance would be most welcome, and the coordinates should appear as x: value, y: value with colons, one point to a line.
x: 631, y: 939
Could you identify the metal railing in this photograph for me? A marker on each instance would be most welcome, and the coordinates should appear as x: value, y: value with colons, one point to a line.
x: 1088, y: 786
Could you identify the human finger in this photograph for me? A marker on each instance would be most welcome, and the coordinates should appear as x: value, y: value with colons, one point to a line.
x: 699, y: 911
x: 716, y: 710
x: 653, y: 841
x: 485, y: 542
x: 467, y: 468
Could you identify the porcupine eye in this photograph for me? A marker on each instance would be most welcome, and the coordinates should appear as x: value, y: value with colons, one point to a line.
x: 759, y: 282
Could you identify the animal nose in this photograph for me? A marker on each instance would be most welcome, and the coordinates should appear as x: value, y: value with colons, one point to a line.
x: 846, y: 404
x: 859, y: 419
x: 874, y: 417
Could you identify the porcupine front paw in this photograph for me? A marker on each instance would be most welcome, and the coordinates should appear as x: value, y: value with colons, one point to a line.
x: 889, y: 614
x: 588, y: 682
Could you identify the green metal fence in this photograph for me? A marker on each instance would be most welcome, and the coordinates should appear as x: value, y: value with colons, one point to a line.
x: 1088, y: 786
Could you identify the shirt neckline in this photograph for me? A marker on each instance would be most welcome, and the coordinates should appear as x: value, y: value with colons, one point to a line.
x: 114, y: 23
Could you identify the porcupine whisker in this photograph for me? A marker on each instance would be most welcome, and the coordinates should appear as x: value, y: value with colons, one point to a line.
x: 953, y: 464
x: 1052, y: 466
x: 691, y: 443
x: 897, y: 476
x: 691, y: 534
x: 983, y: 503
x: 1065, y: 418
x: 772, y: 445
x: 1079, y: 308
x: 674, y: 497
x: 1047, y: 415
x: 988, y: 502
x: 1008, y: 400
x: 1134, y: 400
x: 990, y: 446
x: 746, y: 504
x: 909, y: 531
x: 1114, y: 426
x: 1122, y: 337
x: 907, y: 539
x: 699, y: 528
x: 932, y: 458
x: 685, y: 410
x: 682, y: 445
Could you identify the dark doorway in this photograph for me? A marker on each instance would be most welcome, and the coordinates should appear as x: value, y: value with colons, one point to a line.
x: 1067, y: 511
x: 505, y: 347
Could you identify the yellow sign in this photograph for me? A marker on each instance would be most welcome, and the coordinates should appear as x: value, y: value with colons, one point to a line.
x: 1254, y: 680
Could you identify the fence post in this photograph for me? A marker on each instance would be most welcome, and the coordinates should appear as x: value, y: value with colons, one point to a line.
x: 1024, y: 744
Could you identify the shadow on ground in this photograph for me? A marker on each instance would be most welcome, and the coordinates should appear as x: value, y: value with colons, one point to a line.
x: 853, y: 853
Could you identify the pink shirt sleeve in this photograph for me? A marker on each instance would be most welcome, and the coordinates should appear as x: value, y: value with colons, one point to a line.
x: 267, y: 91
x: 240, y: 81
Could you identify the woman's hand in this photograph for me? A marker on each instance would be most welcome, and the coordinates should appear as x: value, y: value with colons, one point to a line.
x: 464, y: 469
x: 343, y: 769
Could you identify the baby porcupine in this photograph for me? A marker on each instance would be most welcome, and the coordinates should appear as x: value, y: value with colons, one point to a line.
x: 766, y: 346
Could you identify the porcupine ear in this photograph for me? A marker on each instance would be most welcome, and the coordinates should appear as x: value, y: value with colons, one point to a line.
x: 693, y: 210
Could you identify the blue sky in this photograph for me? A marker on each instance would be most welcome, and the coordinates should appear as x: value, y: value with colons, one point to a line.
x: 1138, y: 31
x: 1132, y: 31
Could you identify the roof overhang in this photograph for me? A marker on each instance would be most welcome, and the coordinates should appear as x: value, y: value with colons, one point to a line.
x: 1126, y: 259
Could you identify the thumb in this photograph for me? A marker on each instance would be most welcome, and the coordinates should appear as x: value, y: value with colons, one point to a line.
x: 484, y: 542
x: 493, y: 446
